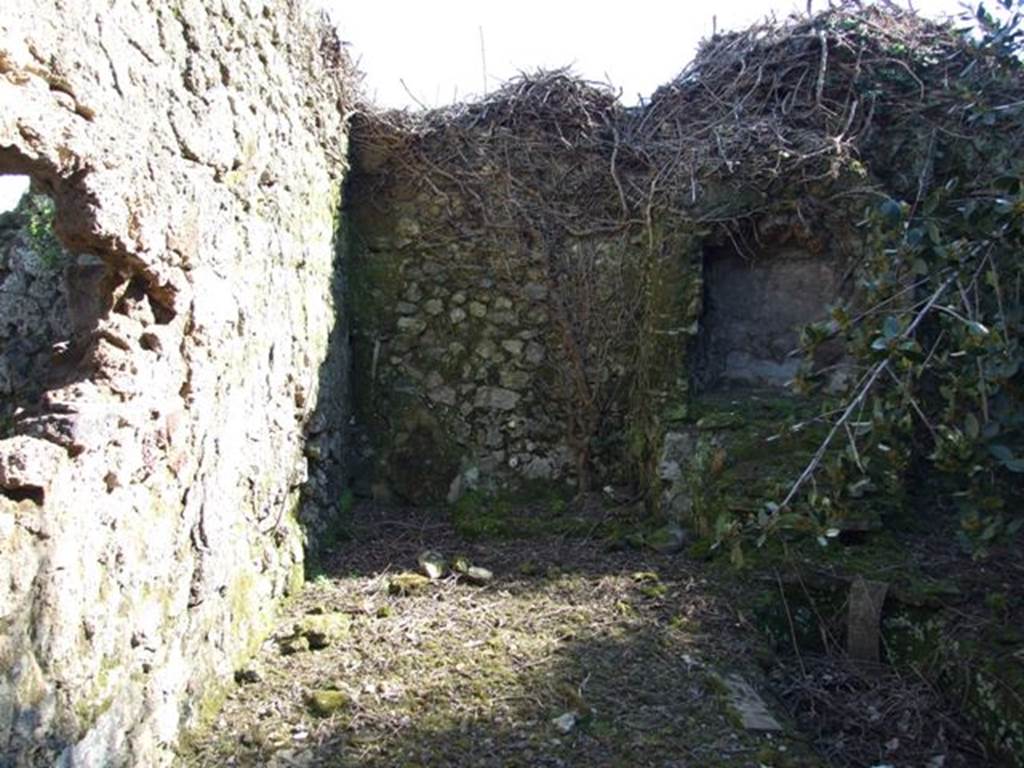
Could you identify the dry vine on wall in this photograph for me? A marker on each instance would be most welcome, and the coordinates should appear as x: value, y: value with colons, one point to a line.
x: 846, y: 109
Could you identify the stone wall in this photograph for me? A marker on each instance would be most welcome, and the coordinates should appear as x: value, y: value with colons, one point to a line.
x: 731, y: 442
x: 460, y: 380
x: 464, y: 380
x: 148, y: 515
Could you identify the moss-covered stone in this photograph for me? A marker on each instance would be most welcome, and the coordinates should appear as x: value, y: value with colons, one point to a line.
x: 322, y: 630
x: 325, y: 702
x: 293, y: 644
x: 405, y: 584
x: 526, y: 509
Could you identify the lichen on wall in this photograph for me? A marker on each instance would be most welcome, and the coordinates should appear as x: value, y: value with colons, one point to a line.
x: 151, y: 487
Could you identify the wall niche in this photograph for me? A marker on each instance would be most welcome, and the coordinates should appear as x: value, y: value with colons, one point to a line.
x: 754, y: 308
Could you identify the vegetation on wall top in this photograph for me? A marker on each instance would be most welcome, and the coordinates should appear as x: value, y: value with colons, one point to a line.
x: 873, y: 108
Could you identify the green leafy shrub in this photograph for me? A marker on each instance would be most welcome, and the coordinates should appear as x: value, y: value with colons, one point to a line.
x: 39, y: 212
x: 938, y: 389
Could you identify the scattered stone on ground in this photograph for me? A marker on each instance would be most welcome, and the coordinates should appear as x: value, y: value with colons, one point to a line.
x: 588, y: 657
x: 433, y: 564
x: 749, y: 706
x: 566, y: 722
x: 477, y: 575
x: 669, y: 539
x: 407, y: 583
x: 865, y: 619
x: 248, y: 676
x: 327, y: 702
x: 321, y: 630
x: 293, y: 644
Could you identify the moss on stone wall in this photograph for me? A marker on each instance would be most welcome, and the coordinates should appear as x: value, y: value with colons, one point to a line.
x: 660, y: 392
x: 461, y: 354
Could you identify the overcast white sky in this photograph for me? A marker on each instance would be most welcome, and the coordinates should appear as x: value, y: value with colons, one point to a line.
x: 637, y: 45
x: 435, y: 47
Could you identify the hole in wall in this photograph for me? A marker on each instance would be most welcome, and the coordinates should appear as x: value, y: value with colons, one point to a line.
x: 754, y: 308
x: 34, y: 319
x: 36, y: 495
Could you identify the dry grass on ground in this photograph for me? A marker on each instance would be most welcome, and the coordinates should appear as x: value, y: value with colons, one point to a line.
x: 628, y: 645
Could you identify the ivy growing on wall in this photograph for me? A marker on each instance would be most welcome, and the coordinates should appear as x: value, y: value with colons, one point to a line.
x: 935, y: 386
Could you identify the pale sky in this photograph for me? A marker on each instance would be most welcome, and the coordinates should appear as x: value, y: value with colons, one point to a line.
x: 637, y: 45
x: 435, y: 47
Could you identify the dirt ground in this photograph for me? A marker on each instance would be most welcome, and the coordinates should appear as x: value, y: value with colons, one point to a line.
x: 573, y: 655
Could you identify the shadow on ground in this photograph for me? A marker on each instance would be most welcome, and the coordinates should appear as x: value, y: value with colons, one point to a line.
x: 572, y: 656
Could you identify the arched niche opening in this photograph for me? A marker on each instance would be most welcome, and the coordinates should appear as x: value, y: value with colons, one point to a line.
x: 34, y: 315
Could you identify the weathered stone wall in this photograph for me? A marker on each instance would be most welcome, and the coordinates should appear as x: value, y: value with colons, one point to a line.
x: 460, y: 375
x: 464, y: 375
x: 149, y: 498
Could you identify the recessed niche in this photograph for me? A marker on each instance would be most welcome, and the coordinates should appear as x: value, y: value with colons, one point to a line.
x: 753, y: 311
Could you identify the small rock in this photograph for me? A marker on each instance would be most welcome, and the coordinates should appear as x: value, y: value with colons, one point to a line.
x: 325, y: 702
x: 477, y: 575
x: 476, y: 309
x: 539, y: 468
x: 668, y: 540
x: 496, y: 398
x: 457, y: 315
x: 411, y: 325
x: 434, y: 307
x: 749, y: 706
x: 407, y: 583
x: 864, y: 619
x: 513, y: 346
x: 293, y: 644
x: 27, y: 463
x: 443, y: 395
x: 486, y: 349
x: 534, y: 353
x: 565, y: 722
x: 433, y: 564
x: 248, y: 676
x: 514, y: 380
x: 322, y: 630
